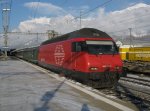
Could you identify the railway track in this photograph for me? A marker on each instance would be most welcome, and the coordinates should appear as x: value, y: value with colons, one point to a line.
x: 137, y: 67
x: 138, y: 81
x: 133, y: 89
x: 129, y: 94
x: 126, y: 91
x: 136, y: 90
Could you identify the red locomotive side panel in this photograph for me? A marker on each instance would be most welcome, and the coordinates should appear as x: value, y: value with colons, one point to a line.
x: 54, y: 53
x: 60, y: 55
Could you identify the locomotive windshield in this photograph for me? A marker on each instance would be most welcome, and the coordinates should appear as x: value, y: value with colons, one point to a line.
x: 101, y: 47
x: 95, y: 47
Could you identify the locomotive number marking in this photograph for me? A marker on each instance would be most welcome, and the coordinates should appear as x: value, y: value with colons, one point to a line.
x: 59, y: 54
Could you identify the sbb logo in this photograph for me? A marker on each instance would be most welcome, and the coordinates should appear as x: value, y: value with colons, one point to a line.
x: 59, y: 55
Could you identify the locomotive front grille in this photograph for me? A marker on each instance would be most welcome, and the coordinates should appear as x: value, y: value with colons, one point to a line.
x: 102, y: 75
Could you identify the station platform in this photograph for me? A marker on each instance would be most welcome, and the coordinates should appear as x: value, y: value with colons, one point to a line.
x: 27, y: 87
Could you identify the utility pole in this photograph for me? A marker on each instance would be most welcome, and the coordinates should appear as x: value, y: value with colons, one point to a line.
x: 130, y: 29
x: 52, y: 34
x: 80, y: 19
x: 37, y: 37
x: 5, y: 20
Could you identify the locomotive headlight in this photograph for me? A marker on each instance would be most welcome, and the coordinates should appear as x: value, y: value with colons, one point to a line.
x: 93, y: 68
x: 118, y: 68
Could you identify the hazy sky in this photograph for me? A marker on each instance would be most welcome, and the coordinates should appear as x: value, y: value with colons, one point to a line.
x: 115, y: 17
x: 27, y: 10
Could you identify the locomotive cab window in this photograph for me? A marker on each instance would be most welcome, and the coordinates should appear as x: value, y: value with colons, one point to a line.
x: 78, y: 46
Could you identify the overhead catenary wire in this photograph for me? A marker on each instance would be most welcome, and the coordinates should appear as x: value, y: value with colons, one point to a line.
x: 126, y: 21
x: 64, y: 2
x: 36, y: 9
x: 108, y: 32
x: 103, y: 4
x: 122, y: 21
x: 34, y: 12
x: 86, y: 12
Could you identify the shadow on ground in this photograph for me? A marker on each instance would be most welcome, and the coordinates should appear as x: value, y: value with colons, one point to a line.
x: 85, y: 107
x: 47, y: 97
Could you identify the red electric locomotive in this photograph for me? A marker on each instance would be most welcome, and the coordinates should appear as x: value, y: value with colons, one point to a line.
x: 87, y: 55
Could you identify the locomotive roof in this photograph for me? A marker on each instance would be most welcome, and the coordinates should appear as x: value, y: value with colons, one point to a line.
x: 84, y: 32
